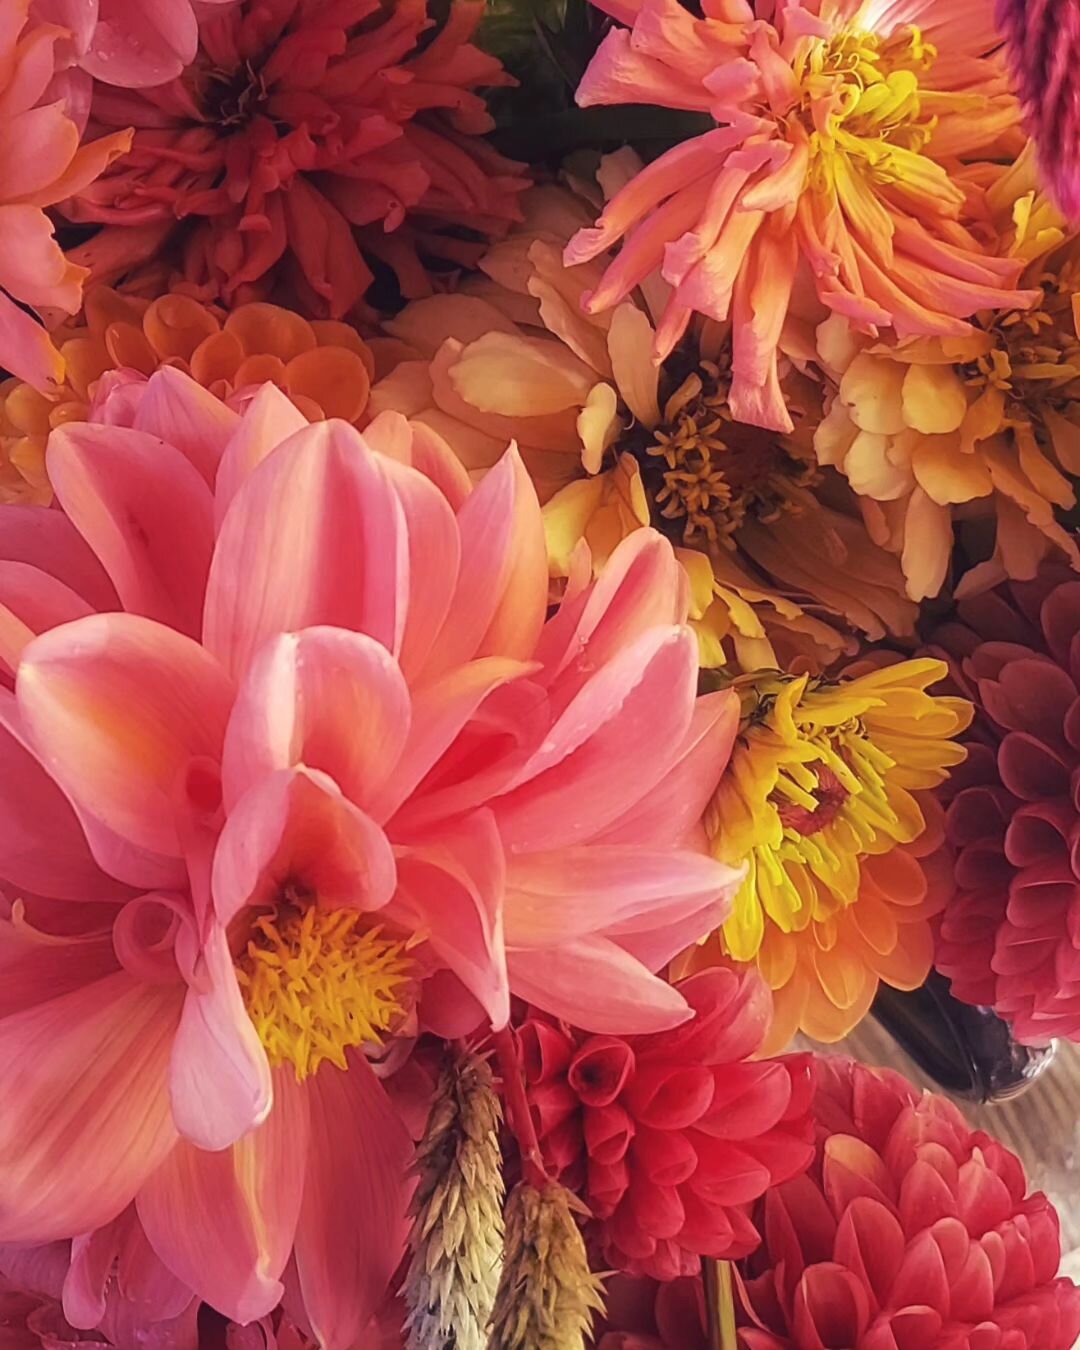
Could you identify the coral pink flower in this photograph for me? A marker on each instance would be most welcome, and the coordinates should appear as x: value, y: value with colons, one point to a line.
x: 1009, y: 937
x: 838, y: 121
x: 911, y: 1230
x: 286, y: 772
x: 304, y: 135
x: 668, y: 1138
x: 41, y: 163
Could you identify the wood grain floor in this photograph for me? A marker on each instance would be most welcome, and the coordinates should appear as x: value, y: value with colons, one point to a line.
x: 1042, y: 1126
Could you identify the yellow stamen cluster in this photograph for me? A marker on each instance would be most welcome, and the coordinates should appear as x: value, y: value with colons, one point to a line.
x: 1036, y: 358
x: 317, y: 981
x: 707, y: 473
x: 823, y: 775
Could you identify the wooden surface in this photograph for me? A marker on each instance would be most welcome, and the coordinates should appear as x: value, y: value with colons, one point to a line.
x: 1042, y: 1126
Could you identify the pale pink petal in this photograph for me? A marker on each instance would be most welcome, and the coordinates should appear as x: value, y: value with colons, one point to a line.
x: 139, y: 46
x: 451, y: 889
x: 346, y: 560
x: 501, y: 597
x: 674, y: 806
x: 145, y: 512
x: 353, y: 1221
x: 296, y: 826
x: 440, y: 710
x: 224, y: 1222
x: 220, y: 1079
x: 328, y: 698
x: 420, y: 446
x: 42, y: 846
x: 46, y: 539
x: 178, y: 410
x: 559, y: 897
x: 615, y: 740
x: 85, y: 1078
x: 117, y: 706
x: 269, y: 419
x: 32, y: 601
x: 595, y: 985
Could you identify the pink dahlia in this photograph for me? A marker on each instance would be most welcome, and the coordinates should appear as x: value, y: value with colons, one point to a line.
x: 287, y: 760
x: 41, y: 163
x: 911, y: 1231
x: 838, y: 128
x: 304, y: 135
x: 669, y: 1137
x: 1009, y: 937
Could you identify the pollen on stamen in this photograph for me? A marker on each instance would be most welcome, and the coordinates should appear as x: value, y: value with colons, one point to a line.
x: 317, y: 981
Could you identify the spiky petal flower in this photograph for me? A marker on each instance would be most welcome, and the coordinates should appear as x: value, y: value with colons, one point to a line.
x: 457, y: 1232
x: 837, y: 123
x: 324, y: 366
x: 301, y: 127
x: 273, y: 806
x: 547, y: 1294
x: 1042, y: 42
x: 1010, y: 935
x: 41, y: 163
x: 667, y: 1138
x: 829, y: 799
x: 911, y: 1230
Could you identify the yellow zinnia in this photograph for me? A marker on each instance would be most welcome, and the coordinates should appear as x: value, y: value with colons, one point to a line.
x: 826, y: 799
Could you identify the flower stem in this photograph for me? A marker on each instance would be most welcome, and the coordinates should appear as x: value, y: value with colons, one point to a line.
x: 518, y: 1115
x: 720, y: 1305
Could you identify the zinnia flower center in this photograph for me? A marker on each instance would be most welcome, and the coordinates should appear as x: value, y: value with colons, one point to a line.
x: 828, y: 795
x: 705, y: 473
x: 860, y: 96
x: 231, y: 98
x: 316, y: 981
x: 1037, y: 356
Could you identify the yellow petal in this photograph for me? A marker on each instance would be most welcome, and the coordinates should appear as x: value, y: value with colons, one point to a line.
x: 870, y: 471
x: 520, y: 377
x: 598, y: 425
x: 872, y: 387
x: 630, y: 341
x: 935, y: 399
x: 927, y: 546
x: 946, y: 475
x: 566, y: 517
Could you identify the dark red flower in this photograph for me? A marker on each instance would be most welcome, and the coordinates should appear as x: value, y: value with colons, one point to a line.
x: 1009, y: 936
x: 641, y: 1314
x: 306, y: 135
x: 668, y: 1138
x: 910, y: 1231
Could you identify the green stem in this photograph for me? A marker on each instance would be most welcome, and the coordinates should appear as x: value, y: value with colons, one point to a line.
x: 720, y: 1305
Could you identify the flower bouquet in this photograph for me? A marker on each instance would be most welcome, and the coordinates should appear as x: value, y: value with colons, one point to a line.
x: 539, y: 586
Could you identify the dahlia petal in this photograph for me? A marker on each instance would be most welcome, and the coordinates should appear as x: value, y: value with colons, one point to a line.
x: 921, y: 1281
x: 295, y: 825
x: 558, y: 896
x: 268, y: 421
x: 345, y: 1267
x: 594, y: 984
x: 325, y: 490
x: 42, y: 846
x: 219, y: 1082
x: 328, y: 698
x: 179, y: 411
x: 144, y: 511
x: 87, y: 1072
x: 500, y: 601
x: 29, y: 352
x: 748, y: 1099
x: 637, y: 706
x: 452, y: 889
x: 120, y: 706
x: 137, y: 47
x: 851, y: 1169
x: 830, y: 1307
x: 32, y: 601
x: 870, y: 1242
x: 46, y: 539
x: 224, y: 1222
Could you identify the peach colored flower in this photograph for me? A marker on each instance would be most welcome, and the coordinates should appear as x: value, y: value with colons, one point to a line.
x: 615, y: 443
x: 285, y: 773
x: 934, y: 431
x: 305, y: 138
x: 41, y: 163
x: 323, y: 365
x: 837, y: 124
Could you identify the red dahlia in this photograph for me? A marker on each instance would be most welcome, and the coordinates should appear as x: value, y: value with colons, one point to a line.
x: 305, y: 135
x: 910, y: 1231
x: 1010, y: 935
x: 669, y: 1137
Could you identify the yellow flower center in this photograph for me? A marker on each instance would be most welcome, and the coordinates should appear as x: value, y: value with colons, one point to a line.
x: 705, y: 473
x: 316, y: 981
x: 1036, y: 357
